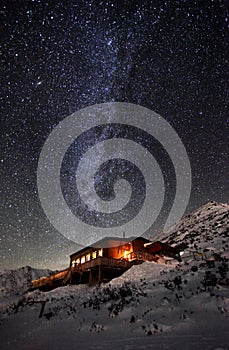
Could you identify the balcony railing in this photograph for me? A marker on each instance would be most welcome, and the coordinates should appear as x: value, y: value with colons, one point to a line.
x: 47, y: 280
x: 102, y: 261
x: 140, y: 255
x: 123, y: 264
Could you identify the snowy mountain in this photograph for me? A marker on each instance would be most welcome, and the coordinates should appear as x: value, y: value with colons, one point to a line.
x: 174, y: 306
x: 206, y: 229
x: 210, y: 219
x: 19, y: 281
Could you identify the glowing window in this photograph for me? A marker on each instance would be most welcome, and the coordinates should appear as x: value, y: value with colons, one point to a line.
x: 88, y: 257
x: 94, y: 254
x: 78, y: 261
x: 100, y: 252
x: 83, y: 260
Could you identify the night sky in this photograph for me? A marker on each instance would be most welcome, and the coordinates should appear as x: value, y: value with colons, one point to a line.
x: 59, y: 57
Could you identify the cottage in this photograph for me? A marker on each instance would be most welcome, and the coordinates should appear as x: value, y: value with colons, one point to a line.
x: 106, y: 259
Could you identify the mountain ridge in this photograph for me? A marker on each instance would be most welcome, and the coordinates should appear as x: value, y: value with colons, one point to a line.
x: 207, y: 223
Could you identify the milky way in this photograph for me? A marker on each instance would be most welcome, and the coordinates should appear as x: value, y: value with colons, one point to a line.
x: 60, y: 57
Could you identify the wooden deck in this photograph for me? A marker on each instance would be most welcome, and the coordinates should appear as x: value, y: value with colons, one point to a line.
x: 64, y: 276
x: 101, y: 261
x: 91, y: 271
x: 141, y: 256
x: 50, y: 280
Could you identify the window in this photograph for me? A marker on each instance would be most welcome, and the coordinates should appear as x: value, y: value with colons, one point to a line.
x: 94, y: 254
x: 100, y: 252
x: 83, y: 260
x: 78, y: 261
x: 88, y: 257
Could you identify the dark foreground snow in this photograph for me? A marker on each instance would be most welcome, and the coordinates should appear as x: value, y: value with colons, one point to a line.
x: 174, y: 306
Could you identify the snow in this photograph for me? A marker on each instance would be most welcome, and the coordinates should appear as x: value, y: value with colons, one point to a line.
x: 211, y: 221
x: 19, y: 281
x: 175, y: 306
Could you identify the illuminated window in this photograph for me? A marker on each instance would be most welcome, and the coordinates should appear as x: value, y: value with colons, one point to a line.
x: 73, y: 262
x: 88, y: 257
x: 94, y: 254
x: 100, y: 252
x: 78, y: 261
x: 83, y: 260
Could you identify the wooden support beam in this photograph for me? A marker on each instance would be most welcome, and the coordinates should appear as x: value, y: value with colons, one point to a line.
x: 99, y: 274
x: 90, y: 277
x: 42, y: 308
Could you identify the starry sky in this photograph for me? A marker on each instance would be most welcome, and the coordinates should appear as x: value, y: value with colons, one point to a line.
x: 58, y: 57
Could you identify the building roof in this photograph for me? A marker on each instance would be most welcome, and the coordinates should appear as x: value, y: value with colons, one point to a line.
x: 109, y: 242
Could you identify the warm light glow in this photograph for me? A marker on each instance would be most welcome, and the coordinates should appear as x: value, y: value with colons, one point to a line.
x: 146, y: 244
x: 83, y: 260
x: 88, y: 257
x: 126, y: 255
x: 94, y: 255
x: 100, y: 252
x: 75, y: 262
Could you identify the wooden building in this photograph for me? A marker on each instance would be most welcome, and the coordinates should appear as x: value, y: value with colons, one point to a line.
x: 106, y: 259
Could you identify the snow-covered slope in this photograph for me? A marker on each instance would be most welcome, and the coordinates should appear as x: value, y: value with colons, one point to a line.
x: 175, y: 306
x: 205, y: 229
x: 150, y: 305
x: 19, y: 280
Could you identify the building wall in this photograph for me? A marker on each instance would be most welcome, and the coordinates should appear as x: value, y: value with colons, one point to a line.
x: 114, y: 249
x: 118, y: 252
x: 138, y: 244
